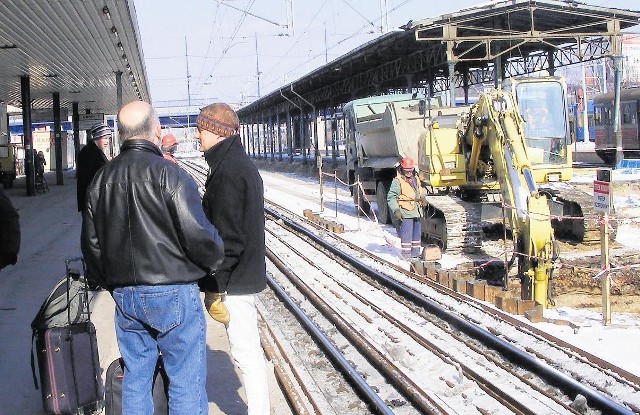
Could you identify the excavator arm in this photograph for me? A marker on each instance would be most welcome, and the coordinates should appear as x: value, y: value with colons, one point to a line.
x: 494, y: 123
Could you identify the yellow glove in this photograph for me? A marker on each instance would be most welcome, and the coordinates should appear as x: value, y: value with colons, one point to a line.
x: 214, y: 304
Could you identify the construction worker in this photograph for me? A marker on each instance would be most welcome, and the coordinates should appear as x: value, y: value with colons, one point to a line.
x: 406, y: 199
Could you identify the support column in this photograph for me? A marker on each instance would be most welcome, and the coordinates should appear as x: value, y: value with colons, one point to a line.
x: 272, y: 137
x: 409, y: 78
x: 116, y: 135
x: 279, y: 134
x: 316, y: 140
x: 497, y: 72
x: 289, y: 136
x: 465, y: 84
x: 29, y: 166
x: 452, y: 83
x: 243, y: 138
x: 303, y: 142
x: 75, y: 120
x: 57, y: 137
x: 617, y: 120
x: 265, y: 132
x: 253, y: 141
x: 552, y: 64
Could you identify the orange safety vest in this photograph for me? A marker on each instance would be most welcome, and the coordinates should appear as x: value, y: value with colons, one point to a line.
x: 408, y: 195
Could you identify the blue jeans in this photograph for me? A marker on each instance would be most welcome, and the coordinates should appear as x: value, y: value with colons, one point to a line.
x: 169, y: 319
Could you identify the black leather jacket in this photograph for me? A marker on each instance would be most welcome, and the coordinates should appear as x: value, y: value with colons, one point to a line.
x: 143, y: 223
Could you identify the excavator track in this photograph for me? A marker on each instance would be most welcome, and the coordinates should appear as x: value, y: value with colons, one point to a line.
x: 574, y: 216
x: 453, y: 224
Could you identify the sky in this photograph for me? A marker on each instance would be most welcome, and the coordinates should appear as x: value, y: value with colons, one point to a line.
x: 217, y: 41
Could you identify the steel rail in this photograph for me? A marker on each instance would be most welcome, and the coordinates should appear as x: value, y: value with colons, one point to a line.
x: 568, y: 385
x: 488, y: 387
x: 334, y: 354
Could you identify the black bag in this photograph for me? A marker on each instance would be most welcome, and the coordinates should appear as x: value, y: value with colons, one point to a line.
x: 113, y: 388
x: 67, y: 349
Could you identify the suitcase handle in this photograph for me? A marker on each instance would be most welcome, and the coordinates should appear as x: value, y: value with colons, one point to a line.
x: 72, y: 273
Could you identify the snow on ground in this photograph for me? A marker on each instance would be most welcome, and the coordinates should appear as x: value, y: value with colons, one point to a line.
x: 618, y: 343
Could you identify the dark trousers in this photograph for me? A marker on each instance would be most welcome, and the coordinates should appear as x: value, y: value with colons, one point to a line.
x: 410, y: 237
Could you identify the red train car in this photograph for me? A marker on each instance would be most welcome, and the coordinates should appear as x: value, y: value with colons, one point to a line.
x: 605, y: 145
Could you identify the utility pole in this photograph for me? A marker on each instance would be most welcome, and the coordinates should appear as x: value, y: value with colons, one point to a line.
x: 289, y: 12
x: 186, y: 56
x: 257, y: 65
x: 326, y: 52
x: 384, y: 16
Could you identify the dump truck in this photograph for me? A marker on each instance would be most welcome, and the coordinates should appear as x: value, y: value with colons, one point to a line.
x: 381, y: 130
x: 378, y: 132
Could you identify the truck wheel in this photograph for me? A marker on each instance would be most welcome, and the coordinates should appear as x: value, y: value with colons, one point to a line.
x: 362, y: 203
x: 382, y: 190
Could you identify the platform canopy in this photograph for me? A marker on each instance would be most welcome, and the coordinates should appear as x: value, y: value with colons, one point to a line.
x: 74, y: 47
x: 515, y: 36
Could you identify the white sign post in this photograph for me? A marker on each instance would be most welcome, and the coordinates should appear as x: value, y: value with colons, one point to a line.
x: 602, y: 203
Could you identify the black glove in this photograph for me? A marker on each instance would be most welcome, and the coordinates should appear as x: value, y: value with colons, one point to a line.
x: 397, y: 214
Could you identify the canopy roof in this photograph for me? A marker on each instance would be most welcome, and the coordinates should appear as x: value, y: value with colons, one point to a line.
x: 73, y: 47
x: 527, y: 35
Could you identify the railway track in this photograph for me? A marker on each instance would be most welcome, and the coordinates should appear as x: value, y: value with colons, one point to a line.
x: 416, y: 346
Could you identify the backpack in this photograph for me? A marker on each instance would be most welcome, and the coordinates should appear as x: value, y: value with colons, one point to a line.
x: 66, y: 304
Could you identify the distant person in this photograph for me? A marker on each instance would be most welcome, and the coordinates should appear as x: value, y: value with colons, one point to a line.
x: 406, y: 199
x: 90, y: 159
x: 169, y: 146
x: 40, y: 163
x: 146, y: 239
x: 9, y: 232
x: 234, y: 203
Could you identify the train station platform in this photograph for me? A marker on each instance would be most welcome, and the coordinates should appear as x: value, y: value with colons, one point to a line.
x: 50, y: 229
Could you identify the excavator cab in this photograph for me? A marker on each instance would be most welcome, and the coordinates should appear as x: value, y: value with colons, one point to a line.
x: 542, y: 104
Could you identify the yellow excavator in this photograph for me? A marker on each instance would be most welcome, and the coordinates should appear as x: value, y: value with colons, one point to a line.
x: 495, y: 123
x: 484, y: 153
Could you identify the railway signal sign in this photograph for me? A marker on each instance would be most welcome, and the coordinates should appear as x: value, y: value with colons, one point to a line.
x: 601, y: 196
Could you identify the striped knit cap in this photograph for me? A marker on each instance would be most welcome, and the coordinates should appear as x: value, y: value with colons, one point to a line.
x: 100, y: 130
x: 218, y: 118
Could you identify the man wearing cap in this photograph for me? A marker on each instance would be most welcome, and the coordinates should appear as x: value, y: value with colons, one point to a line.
x: 169, y: 146
x: 90, y: 159
x: 234, y: 203
x: 147, y: 240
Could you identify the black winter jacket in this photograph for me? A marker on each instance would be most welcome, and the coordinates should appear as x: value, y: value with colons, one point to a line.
x: 234, y: 203
x: 90, y: 159
x: 144, y: 225
x: 9, y: 231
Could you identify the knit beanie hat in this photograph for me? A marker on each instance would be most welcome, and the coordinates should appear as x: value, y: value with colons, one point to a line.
x: 218, y: 118
x: 100, y: 130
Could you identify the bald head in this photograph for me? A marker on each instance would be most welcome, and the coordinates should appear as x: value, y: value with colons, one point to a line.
x: 138, y: 120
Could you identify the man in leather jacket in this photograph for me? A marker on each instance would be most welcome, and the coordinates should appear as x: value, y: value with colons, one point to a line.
x: 145, y: 238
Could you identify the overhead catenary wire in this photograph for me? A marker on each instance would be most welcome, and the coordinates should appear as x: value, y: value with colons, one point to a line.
x: 229, y: 43
x: 346, y: 38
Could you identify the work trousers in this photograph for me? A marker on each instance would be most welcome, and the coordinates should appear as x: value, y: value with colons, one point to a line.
x: 410, y: 237
x: 247, y: 353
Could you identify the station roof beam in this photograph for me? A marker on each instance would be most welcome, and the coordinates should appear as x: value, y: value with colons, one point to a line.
x: 74, y: 48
